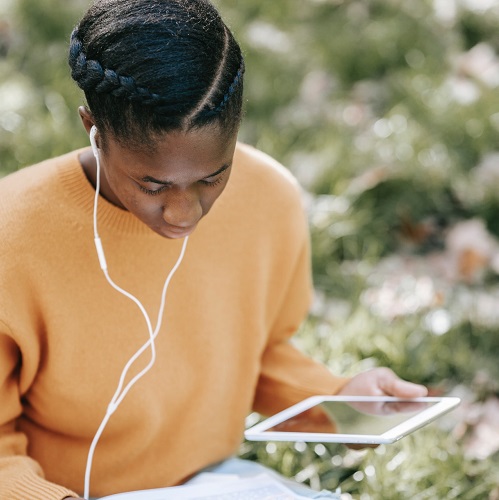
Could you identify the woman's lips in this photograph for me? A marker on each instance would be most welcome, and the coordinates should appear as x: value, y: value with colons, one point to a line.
x: 174, y: 232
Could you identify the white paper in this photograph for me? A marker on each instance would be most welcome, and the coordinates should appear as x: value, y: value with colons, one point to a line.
x: 211, y: 487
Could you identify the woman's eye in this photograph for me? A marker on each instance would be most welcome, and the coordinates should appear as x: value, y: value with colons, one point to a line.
x: 152, y: 191
x: 218, y: 180
x: 206, y: 182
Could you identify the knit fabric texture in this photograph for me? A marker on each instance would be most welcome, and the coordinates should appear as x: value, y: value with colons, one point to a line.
x: 223, y: 350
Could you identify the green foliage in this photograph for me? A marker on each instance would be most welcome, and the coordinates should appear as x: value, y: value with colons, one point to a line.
x: 38, y: 101
x: 377, y: 107
x: 427, y: 466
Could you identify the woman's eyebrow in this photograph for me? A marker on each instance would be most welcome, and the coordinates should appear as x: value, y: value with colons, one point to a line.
x: 148, y: 178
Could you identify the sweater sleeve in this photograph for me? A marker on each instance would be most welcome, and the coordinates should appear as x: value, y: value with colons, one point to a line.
x: 20, y: 476
x: 287, y: 375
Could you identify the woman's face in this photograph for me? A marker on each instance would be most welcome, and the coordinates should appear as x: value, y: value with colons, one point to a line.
x: 171, y: 188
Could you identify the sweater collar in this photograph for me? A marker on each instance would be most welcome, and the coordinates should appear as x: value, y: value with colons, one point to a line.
x: 82, y: 193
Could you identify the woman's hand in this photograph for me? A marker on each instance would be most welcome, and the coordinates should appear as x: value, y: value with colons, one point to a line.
x: 382, y: 382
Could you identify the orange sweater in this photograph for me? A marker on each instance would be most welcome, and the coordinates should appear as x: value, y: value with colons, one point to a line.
x: 65, y: 334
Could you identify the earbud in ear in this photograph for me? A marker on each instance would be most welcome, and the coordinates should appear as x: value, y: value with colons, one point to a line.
x: 95, y: 149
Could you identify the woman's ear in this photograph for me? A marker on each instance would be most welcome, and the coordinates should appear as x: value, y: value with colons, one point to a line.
x: 86, y: 118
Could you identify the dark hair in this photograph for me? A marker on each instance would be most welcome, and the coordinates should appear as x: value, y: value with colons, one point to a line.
x: 153, y: 66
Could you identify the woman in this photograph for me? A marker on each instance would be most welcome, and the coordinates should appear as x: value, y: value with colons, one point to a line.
x: 163, y: 80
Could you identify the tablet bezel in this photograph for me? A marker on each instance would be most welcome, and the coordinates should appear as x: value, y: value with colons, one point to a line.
x: 259, y: 431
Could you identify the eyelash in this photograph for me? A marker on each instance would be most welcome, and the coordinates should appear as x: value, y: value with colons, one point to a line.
x: 213, y: 183
x: 153, y: 192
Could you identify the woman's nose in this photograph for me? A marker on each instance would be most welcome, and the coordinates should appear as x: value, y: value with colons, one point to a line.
x: 182, y: 208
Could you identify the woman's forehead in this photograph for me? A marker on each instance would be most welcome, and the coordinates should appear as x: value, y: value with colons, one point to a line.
x: 198, y: 152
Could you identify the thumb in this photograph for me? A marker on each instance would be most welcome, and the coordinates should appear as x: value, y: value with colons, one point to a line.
x: 392, y: 385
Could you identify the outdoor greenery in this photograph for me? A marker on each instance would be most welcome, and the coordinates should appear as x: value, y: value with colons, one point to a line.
x: 387, y: 111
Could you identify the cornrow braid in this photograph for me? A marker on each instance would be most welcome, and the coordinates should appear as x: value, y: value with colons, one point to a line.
x: 232, y: 88
x: 91, y: 76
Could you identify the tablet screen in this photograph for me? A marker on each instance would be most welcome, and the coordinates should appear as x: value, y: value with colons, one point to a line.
x: 359, y: 417
x: 351, y: 419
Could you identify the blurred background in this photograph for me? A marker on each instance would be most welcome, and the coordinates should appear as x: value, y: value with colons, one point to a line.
x: 387, y: 111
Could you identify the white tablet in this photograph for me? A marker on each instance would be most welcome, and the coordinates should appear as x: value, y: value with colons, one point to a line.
x: 351, y: 419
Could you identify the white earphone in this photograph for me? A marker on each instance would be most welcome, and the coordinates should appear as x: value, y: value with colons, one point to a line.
x: 95, y: 149
x: 121, y: 392
x: 97, y: 240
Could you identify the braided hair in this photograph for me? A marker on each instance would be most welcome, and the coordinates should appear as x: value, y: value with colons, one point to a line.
x: 152, y: 66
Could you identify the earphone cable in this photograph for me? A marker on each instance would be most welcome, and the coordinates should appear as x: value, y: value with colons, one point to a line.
x: 121, y: 392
